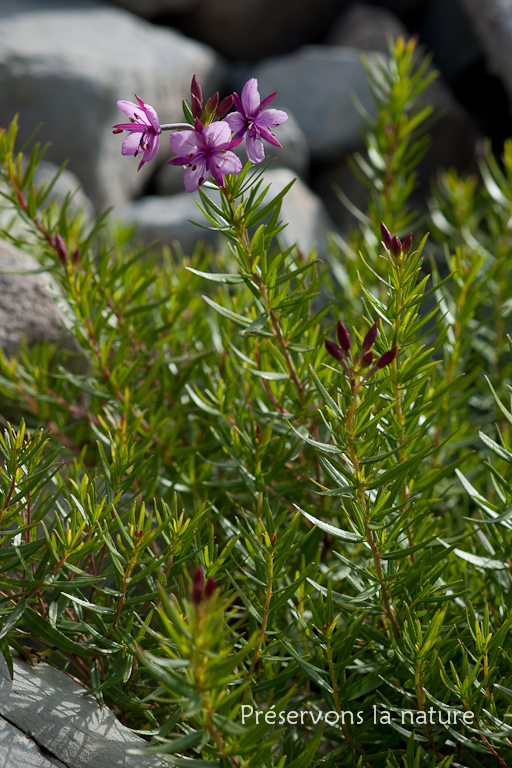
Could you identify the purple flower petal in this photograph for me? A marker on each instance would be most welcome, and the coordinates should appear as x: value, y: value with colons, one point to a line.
x: 255, y: 149
x: 217, y: 135
x: 250, y: 97
x: 267, y: 100
x: 270, y: 117
x: 185, y: 142
x: 269, y: 137
x: 236, y: 122
x: 131, y: 144
x: 195, y: 175
x: 128, y: 107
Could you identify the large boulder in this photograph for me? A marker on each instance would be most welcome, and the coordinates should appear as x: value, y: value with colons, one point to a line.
x: 28, y: 309
x: 48, y: 711
x: 149, y: 9
x: 65, y: 63
x: 247, y: 30
x: 317, y: 85
x: 491, y: 21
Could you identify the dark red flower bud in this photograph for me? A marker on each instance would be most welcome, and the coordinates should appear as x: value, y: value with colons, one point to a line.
x: 386, y: 235
x: 75, y: 256
x: 212, y: 104
x: 62, y: 251
x: 367, y: 359
x: 407, y: 244
x: 386, y: 358
x: 195, y: 90
x: 224, y: 107
x: 334, y: 350
x: 370, y: 338
x: 210, y: 587
x: 343, y: 336
x: 272, y: 538
x: 197, y: 586
x: 396, y: 247
x: 197, y: 109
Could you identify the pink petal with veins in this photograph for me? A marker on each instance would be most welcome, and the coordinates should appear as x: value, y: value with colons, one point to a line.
x: 250, y: 96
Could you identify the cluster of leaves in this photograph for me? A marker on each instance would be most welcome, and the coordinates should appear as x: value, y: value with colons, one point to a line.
x: 353, y: 517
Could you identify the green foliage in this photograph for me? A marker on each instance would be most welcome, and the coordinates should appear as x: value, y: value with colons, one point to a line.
x: 351, y: 514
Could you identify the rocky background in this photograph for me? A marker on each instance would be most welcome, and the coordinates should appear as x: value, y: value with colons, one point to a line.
x: 65, y: 63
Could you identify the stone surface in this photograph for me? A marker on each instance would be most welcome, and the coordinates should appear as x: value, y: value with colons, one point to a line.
x: 317, y: 84
x: 67, y: 62
x: 445, y: 29
x: 27, y: 305
x: 52, y: 711
x: 249, y: 30
x: 167, y: 218
x: 491, y: 21
x: 19, y: 751
x: 148, y: 9
x: 365, y: 27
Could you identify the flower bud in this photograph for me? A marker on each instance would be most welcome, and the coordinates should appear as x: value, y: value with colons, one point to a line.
x: 224, y: 107
x: 386, y: 358
x: 195, y: 90
x: 197, y: 586
x: 334, y: 350
x: 197, y: 109
x: 407, y: 244
x: 210, y: 587
x: 367, y: 359
x: 75, y: 256
x: 60, y: 247
x: 386, y: 235
x: 212, y: 104
x: 343, y: 336
x: 396, y: 247
x: 370, y: 338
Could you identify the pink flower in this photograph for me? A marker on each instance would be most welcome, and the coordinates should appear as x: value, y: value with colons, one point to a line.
x: 252, y: 118
x: 204, y: 152
x: 143, y: 130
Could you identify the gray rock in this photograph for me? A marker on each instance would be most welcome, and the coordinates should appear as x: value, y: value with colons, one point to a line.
x: 148, y: 9
x: 28, y: 306
x: 18, y: 751
x: 446, y: 30
x: 168, y: 218
x: 317, y: 84
x: 248, y: 30
x: 51, y: 709
x: 491, y: 21
x: 67, y: 62
x: 365, y: 27
x: 293, y: 155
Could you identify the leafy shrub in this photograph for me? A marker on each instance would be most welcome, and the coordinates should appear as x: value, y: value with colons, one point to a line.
x: 261, y: 548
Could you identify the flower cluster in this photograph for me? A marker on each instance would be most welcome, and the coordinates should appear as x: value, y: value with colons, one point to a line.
x: 204, y: 143
x: 200, y: 590
x: 393, y: 244
x: 360, y: 360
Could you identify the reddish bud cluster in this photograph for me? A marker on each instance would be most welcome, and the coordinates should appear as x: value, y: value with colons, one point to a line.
x: 201, y: 590
x: 212, y: 110
x: 365, y: 356
x: 394, y: 244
